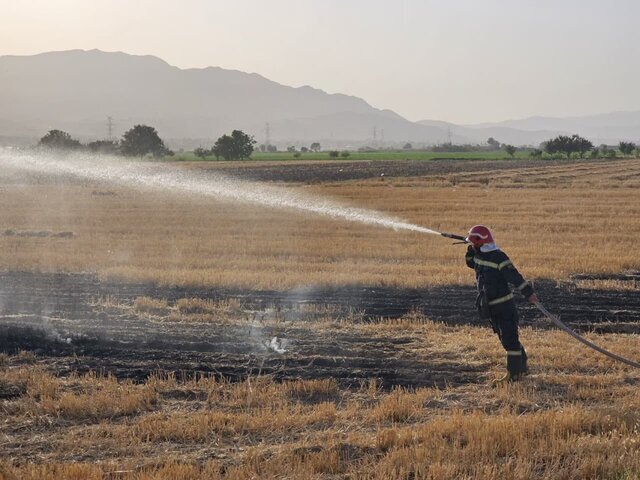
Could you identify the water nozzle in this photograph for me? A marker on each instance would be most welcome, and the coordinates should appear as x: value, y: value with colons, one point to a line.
x: 455, y: 237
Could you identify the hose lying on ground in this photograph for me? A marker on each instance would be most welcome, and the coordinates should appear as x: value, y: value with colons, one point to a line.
x: 589, y: 344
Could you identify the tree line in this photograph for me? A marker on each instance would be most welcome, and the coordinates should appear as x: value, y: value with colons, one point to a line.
x: 139, y: 141
x: 570, y: 145
x: 143, y: 140
x: 577, y: 145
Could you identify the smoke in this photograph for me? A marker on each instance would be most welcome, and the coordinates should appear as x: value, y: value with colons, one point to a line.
x: 165, y: 178
x: 278, y: 345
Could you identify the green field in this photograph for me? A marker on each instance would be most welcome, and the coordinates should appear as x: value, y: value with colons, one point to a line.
x: 378, y: 155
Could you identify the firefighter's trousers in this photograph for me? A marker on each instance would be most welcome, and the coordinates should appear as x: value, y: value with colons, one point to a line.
x: 504, y: 318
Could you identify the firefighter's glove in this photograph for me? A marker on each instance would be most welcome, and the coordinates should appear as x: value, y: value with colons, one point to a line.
x: 469, y: 256
x: 533, y: 298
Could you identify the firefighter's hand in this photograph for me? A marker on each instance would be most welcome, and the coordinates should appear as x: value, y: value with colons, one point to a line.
x: 471, y: 251
x: 533, y: 298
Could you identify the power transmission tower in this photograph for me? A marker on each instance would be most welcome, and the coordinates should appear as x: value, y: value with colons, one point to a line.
x: 267, y: 134
x: 109, y: 128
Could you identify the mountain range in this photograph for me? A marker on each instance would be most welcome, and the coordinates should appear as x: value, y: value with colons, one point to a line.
x: 78, y: 90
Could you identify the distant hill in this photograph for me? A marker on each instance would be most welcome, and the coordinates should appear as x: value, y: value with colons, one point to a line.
x: 503, y: 134
x: 601, y: 128
x: 76, y: 91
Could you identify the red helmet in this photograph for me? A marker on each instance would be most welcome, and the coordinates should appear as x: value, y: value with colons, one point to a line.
x: 479, y: 235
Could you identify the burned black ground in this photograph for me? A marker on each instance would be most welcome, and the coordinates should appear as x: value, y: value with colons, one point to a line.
x: 336, y: 171
x: 63, y: 319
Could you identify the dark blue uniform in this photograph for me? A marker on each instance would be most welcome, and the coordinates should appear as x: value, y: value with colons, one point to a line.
x: 494, y: 273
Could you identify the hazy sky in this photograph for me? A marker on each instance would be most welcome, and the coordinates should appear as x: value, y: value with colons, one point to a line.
x: 458, y: 60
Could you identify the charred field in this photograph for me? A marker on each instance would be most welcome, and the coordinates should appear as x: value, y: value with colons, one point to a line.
x: 132, y: 331
x: 144, y: 335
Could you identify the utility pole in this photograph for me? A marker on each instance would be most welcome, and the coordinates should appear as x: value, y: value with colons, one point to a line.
x: 375, y: 136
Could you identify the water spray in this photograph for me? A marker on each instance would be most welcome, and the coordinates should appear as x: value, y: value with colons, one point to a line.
x: 144, y: 175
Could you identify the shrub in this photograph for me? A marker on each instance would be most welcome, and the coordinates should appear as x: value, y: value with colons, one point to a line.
x: 201, y: 152
x: 510, y: 149
x: 57, y: 139
x: 626, y: 148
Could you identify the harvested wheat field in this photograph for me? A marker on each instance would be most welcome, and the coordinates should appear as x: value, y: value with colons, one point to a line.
x: 152, y: 334
x: 583, y: 217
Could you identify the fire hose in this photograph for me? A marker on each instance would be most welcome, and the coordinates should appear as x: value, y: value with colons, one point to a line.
x: 583, y: 340
x: 556, y: 321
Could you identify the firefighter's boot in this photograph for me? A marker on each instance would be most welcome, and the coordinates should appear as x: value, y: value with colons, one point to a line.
x: 516, y: 366
x: 516, y: 361
x: 525, y: 367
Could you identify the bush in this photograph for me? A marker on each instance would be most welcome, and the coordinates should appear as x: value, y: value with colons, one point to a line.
x: 296, y: 155
x: 627, y: 148
x: 334, y: 153
x: 142, y: 140
x: 345, y: 154
x: 201, y: 152
x: 104, y: 146
x: 59, y: 140
x: 568, y: 145
x: 236, y: 146
x: 510, y: 149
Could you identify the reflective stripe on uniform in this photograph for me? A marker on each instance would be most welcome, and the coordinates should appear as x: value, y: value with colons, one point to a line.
x: 497, y: 301
x: 485, y: 263
x: 522, y: 285
x: 504, y: 264
x: 513, y: 353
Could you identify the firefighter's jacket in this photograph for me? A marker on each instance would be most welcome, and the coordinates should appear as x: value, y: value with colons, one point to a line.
x: 494, y: 273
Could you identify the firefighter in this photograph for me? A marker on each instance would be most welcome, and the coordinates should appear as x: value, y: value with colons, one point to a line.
x: 494, y: 273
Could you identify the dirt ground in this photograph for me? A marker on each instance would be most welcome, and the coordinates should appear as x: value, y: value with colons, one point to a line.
x: 336, y: 171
